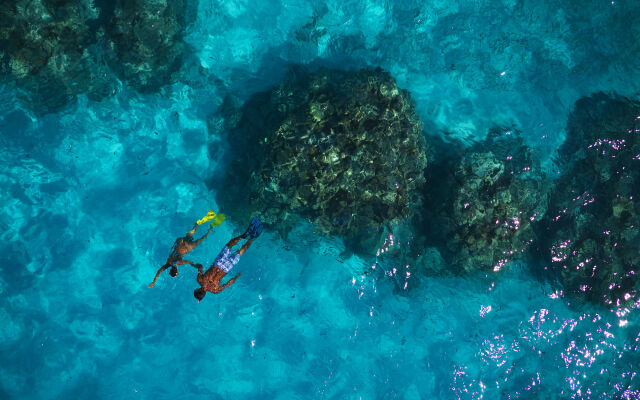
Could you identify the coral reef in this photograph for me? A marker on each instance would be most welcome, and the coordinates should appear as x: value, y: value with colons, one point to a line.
x: 342, y: 149
x: 45, y: 47
x: 147, y: 38
x: 481, y: 216
x: 57, y: 49
x: 592, y: 227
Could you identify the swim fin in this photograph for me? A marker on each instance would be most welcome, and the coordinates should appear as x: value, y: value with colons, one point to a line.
x: 218, y: 220
x: 255, y: 228
x: 210, y: 215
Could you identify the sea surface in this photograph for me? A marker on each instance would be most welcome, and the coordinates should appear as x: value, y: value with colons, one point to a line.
x: 94, y: 193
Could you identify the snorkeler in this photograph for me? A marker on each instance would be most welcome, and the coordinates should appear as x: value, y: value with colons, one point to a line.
x: 181, y: 247
x: 210, y: 280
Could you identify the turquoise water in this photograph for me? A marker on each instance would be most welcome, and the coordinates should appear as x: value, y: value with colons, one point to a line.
x: 95, y: 191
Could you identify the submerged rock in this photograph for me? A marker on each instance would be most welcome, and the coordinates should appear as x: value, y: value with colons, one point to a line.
x: 592, y: 228
x: 481, y: 217
x: 147, y: 38
x: 342, y: 149
x: 46, y: 48
x: 56, y: 49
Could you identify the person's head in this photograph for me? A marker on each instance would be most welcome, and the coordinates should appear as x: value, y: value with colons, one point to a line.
x: 174, y: 271
x: 199, y: 293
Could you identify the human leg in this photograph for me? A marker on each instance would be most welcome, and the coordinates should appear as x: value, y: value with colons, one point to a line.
x: 197, y: 242
x: 235, y: 240
x: 192, y: 231
x: 245, y: 247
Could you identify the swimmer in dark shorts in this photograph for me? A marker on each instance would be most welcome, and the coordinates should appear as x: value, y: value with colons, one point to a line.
x: 181, y: 247
x: 210, y: 280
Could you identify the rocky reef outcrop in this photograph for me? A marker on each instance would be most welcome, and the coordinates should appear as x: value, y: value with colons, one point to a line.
x: 57, y: 49
x: 593, y: 224
x: 481, y: 216
x: 46, y: 49
x: 343, y: 150
x: 147, y: 38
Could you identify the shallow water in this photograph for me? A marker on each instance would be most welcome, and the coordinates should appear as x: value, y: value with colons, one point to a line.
x: 93, y: 196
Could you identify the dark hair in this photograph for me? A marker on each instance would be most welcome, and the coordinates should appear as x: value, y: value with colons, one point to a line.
x: 173, y: 271
x: 199, y: 293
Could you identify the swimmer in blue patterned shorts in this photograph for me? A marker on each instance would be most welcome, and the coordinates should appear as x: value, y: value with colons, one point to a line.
x: 210, y: 280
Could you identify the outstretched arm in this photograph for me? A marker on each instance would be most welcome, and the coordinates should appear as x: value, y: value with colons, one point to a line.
x: 181, y: 262
x: 200, y: 274
x: 231, y: 281
x: 158, y: 274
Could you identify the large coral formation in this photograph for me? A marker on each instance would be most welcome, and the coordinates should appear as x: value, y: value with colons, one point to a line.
x: 45, y: 48
x: 147, y: 38
x: 482, y: 216
x: 594, y: 244
x: 342, y: 149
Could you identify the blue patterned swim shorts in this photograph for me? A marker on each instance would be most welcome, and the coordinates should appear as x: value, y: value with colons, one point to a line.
x: 225, y: 260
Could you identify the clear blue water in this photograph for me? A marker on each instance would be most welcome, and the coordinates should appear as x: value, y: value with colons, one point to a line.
x: 93, y: 195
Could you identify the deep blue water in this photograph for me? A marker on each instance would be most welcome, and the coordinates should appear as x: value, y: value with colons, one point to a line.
x: 94, y: 193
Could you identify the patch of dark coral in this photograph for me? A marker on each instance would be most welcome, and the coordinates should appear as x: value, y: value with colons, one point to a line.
x: 343, y: 150
x: 147, y: 38
x: 592, y: 242
x: 55, y: 50
x: 47, y: 49
x: 480, y: 204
